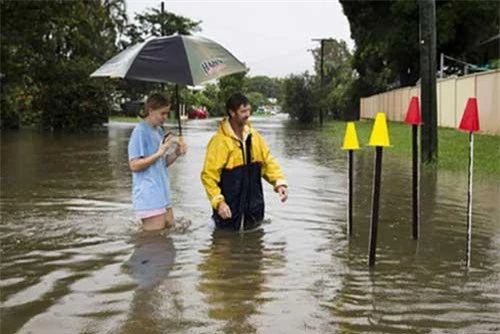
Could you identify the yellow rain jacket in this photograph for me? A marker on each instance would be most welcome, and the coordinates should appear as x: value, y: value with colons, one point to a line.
x: 233, y: 172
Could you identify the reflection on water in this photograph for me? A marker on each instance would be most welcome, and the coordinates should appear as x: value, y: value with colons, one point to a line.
x: 150, y: 264
x: 152, y: 259
x: 232, y: 278
x: 73, y: 259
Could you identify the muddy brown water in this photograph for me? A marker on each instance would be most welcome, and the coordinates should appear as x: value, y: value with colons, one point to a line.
x: 73, y: 259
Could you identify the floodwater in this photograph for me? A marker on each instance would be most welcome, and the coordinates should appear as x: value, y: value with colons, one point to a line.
x: 74, y: 260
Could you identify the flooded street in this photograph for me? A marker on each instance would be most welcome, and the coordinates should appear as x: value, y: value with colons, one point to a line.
x: 74, y: 260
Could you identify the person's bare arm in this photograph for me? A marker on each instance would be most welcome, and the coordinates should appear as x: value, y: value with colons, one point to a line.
x: 138, y: 164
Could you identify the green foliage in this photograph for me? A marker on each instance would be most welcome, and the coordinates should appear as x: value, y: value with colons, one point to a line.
x: 338, y: 77
x: 387, y: 50
x: 304, y: 95
x: 209, y: 97
x: 227, y: 86
x: 266, y: 86
x: 72, y: 105
x: 299, y: 101
x: 47, y: 52
x: 453, y: 146
x: 256, y: 99
x: 153, y: 22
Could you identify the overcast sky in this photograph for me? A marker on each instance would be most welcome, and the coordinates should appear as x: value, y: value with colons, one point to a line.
x: 271, y: 37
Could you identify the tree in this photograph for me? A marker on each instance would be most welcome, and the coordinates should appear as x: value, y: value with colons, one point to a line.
x: 152, y: 22
x: 256, y: 99
x: 227, y: 86
x: 268, y: 87
x: 387, y: 50
x: 338, y: 76
x: 47, y: 51
x: 210, y: 96
x: 299, y: 98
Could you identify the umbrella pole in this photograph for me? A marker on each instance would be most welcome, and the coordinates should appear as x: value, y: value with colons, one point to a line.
x: 178, y: 109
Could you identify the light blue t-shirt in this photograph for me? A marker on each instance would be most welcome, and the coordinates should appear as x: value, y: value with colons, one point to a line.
x: 150, y: 186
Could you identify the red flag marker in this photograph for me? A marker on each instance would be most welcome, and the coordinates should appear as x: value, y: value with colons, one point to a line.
x: 413, y: 113
x: 470, y: 118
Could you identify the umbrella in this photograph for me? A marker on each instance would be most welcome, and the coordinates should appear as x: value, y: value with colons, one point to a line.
x: 179, y: 59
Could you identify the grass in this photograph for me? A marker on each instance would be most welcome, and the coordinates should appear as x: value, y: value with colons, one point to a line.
x: 124, y: 119
x: 453, y: 145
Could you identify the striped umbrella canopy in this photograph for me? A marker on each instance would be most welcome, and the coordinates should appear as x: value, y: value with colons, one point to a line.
x: 180, y: 59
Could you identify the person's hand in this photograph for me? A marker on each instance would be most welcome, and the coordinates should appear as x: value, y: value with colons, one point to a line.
x: 181, y: 148
x: 165, y: 144
x: 224, y: 211
x: 283, y: 192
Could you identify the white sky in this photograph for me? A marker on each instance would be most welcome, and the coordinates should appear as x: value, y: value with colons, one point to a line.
x: 271, y: 37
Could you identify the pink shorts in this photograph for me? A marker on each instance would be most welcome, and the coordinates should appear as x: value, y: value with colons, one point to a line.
x: 150, y: 213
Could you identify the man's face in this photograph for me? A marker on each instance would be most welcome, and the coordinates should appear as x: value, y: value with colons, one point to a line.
x: 241, y: 115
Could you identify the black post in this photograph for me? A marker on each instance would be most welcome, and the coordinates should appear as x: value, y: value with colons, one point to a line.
x: 427, y: 14
x: 416, y: 189
x: 178, y: 105
x: 375, y: 206
x: 163, y: 34
x: 162, y: 25
x: 322, y: 81
x: 349, y: 213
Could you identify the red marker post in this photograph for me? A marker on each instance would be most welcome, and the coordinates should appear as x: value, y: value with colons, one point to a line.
x: 413, y: 118
x: 470, y: 123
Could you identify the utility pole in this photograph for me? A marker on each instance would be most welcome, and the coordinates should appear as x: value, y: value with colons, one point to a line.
x: 162, y: 24
x: 322, y: 74
x: 322, y: 80
x: 429, y: 135
x: 177, y: 99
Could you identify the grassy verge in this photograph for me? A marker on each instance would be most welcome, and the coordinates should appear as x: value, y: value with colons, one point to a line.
x: 124, y: 119
x: 453, y: 145
x: 137, y: 119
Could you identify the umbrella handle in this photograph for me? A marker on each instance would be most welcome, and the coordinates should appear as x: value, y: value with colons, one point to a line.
x: 180, y: 140
x: 178, y: 109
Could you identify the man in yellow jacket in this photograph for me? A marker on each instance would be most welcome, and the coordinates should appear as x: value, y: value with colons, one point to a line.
x: 236, y: 160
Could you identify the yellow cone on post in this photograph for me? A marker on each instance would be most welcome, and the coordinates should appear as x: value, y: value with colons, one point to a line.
x: 350, y: 137
x: 380, y: 134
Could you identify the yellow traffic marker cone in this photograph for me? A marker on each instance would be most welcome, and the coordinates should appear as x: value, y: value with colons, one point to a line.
x: 350, y: 137
x: 380, y: 134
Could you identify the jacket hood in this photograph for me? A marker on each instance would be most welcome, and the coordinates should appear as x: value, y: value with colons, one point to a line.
x: 226, y: 129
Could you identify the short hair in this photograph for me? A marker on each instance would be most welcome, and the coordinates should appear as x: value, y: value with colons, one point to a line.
x: 154, y: 101
x: 235, y: 101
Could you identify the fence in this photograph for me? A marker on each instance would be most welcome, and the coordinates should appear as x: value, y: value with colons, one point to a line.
x: 452, y: 95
